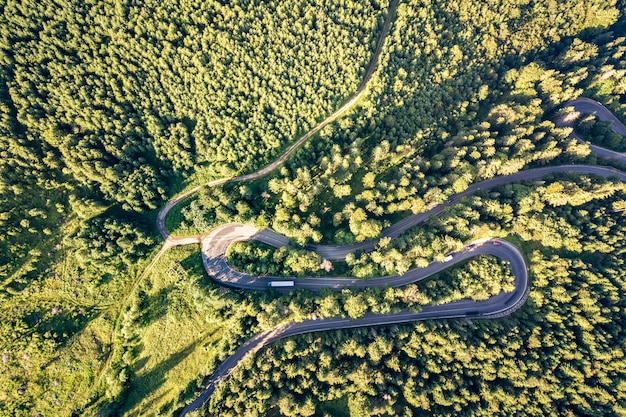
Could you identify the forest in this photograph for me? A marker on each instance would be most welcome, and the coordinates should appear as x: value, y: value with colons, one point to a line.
x: 109, y: 109
x: 567, y: 333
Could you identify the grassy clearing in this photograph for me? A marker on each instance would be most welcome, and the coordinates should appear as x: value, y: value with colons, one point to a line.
x: 336, y: 408
x: 174, y: 338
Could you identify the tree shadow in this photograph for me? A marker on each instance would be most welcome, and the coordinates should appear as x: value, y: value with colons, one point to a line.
x: 147, y: 383
x: 63, y: 321
x: 153, y: 307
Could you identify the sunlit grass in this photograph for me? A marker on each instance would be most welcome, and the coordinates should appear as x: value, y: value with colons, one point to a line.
x: 174, y: 340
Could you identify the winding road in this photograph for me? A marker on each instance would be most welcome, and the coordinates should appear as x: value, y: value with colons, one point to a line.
x: 215, y: 244
x: 162, y: 215
x: 583, y: 105
x: 496, y: 306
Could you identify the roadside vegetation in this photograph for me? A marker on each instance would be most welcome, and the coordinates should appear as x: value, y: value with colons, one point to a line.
x: 172, y: 334
x: 259, y: 259
x: 568, y: 330
x: 179, y: 325
x: 107, y: 110
x: 391, y: 157
x: 600, y: 133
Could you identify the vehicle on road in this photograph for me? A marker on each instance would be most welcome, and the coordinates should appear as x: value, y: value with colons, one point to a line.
x: 471, y: 246
x: 442, y: 311
x: 275, y: 284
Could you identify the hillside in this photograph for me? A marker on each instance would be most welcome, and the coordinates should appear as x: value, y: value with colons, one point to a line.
x: 110, y: 109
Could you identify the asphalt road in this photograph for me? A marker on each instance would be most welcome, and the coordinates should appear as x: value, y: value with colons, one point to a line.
x: 501, y: 304
x: 162, y: 215
x: 583, y: 105
x: 216, y: 243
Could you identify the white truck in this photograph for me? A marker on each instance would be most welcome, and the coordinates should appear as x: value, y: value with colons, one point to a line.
x: 283, y: 284
x: 448, y: 258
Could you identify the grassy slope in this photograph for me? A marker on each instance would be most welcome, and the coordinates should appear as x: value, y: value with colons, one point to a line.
x: 174, y: 341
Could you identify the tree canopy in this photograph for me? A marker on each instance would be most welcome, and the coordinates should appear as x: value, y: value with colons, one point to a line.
x: 109, y: 108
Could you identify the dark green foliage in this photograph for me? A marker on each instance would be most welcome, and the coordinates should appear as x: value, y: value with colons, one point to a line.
x: 600, y: 133
x: 103, y: 240
x: 258, y: 259
x: 108, y: 108
x: 559, y: 355
x: 364, y: 175
x: 128, y: 98
x: 105, y: 109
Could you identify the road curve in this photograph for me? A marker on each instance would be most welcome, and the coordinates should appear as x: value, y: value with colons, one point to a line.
x: 340, y: 252
x: 583, y: 105
x: 216, y: 243
x: 163, y: 212
x: 496, y: 306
